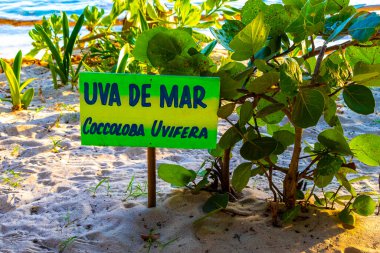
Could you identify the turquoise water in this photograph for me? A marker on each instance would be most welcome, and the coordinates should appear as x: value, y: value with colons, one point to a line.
x: 15, y: 38
x: 36, y: 9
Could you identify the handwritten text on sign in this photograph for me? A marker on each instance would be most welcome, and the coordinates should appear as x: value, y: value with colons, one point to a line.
x: 148, y: 111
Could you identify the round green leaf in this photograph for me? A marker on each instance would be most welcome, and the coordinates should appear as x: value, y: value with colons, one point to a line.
x: 241, y: 176
x: 229, y: 138
x: 246, y: 112
x: 227, y: 33
x: 328, y: 165
x: 364, y: 205
x: 262, y: 83
x: 308, y: 108
x: 226, y: 110
x: 259, y: 148
x: 346, y: 217
x: 250, y: 40
x: 216, y: 152
x: 215, y: 202
x: 285, y: 137
x: 334, y: 141
x: 323, y: 181
x: 290, y: 215
x: 175, y: 174
x: 359, y: 99
x: 366, y: 148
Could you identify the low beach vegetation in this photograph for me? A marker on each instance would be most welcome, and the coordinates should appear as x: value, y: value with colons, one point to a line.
x: 20, y: 100
x: 287, y: 68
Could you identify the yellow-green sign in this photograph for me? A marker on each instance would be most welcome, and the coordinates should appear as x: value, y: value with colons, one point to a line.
x: 148, y: 110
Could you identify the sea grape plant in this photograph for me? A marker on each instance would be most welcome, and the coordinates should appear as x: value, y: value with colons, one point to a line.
x: 20, y: 100
x: 289, y: 67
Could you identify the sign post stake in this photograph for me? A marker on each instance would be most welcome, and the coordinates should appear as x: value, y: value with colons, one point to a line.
x: 151, y: 157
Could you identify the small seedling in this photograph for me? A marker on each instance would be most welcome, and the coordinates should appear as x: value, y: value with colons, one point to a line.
x: 57, y: 147
x: 16, y: 151
x: 62, y: 246
x: 105, y: 181
x: 39, y: 109
x: 136, y: 191
x: 11, y: 178
x: 18, y: 99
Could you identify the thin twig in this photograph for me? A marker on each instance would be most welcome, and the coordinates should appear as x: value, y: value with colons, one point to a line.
x: 304, y: 172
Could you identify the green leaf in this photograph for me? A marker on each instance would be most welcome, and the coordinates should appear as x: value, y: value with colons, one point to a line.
x: 262, y: 83
x: 250, y: 40
x: 308, y: 108
x: 65, y: 29
x: 229, y: 138
x: 330, y: 112
x: 179, y: 40
x: 340, y: 28
x: 319, y: 202
x: 246, y: 112
x: 216, y: 152
x: 368, y: 55
x: 364, y: 205
x: 26, y: 83
x: 290, y: 215
x: 334, y: 141
x: 328, y: 165
x: 363, y: 29
x: 162, y: 48
x: 258, y: 148
x: 17, y: 66
x: 241, y: 176
x: 226, y: 110
x: 334, y: 6
x: 14, y: 85
x: 143, y: 23
x: 342, y: 179
x: 296, y: 3
x: 175, y: 174
x: 310, y: 21
x: 359, y: 99
x: 229, y: 29
x: 123, y: 58
x: 54, y: 51
x: 72, y: 39
x: 300, y: 195
x: 251, y: 9
x: 216, y: 202
x: 228, y: 79
x: 361, y: 178
x: 290, y: 77
x: 273, y: 118
x: 367, y: 74
x: 267, y: 110
x: 366, y: 149
x: 209, y: 47
x: 27, y: 97
x: 285, y: 137
x: 346, y: 217
x: 323, y: 181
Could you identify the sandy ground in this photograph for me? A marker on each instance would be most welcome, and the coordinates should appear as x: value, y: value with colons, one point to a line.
x: 55, y: 200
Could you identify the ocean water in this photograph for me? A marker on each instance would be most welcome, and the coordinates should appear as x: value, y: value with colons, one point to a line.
x: 16, y: 38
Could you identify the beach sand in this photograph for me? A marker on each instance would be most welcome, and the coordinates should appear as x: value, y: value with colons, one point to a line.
x: 55, y: 200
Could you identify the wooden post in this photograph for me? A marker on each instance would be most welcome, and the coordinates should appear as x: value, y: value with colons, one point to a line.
x: 151, y: 157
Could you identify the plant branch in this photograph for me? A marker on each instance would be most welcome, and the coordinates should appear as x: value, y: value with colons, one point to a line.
x: 318, y: 64
x: 336, y: 47
x: 304, y: 172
